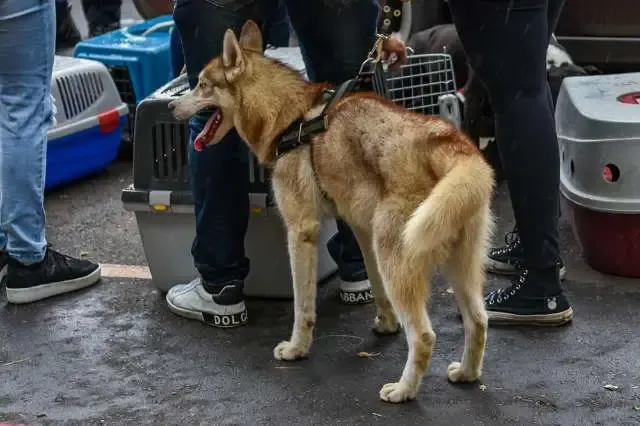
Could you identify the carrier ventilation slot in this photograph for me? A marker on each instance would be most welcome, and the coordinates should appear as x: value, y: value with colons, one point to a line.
x: 170, y: 151
x: 122, y: 80
x: 78, y: 92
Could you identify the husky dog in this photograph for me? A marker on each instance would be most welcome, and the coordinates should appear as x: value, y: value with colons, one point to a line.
x: 415, y: 191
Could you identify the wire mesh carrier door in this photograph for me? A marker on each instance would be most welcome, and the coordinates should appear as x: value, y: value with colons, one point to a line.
x: 424, y: 84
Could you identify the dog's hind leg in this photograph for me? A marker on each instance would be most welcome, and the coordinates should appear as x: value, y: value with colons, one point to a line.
x: 385, y: 321
x: 406, y: 288
x: 465, y: 272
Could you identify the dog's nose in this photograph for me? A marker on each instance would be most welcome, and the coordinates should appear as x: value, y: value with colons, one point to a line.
x: 172, y: 105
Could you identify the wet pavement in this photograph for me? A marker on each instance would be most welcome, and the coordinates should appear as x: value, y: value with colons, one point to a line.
x: 114, y: 354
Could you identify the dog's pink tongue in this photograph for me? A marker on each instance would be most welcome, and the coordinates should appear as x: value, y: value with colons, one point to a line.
x: 201, y: 140
x: 198, y: 144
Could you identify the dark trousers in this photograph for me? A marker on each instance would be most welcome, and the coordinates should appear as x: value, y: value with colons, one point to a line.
x: 102, y: 13
x: 278, y: 37
x: 506, y: 42
x: 335, y: 37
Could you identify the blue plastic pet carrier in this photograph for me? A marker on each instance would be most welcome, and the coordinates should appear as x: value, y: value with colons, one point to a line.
x: 90, y: 118
x: 138, y: 57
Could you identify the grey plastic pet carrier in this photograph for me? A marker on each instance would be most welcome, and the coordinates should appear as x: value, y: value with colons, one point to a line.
x: 162, y: 202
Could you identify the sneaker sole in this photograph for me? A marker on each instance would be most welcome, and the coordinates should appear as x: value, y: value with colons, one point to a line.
x: 233, y: 320
x: 546, y: 320
x: 33, y: 294
x: 501, y: 268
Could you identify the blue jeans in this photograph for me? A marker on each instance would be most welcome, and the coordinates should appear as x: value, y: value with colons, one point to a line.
x: 335, y: 37
x: 27, y: 44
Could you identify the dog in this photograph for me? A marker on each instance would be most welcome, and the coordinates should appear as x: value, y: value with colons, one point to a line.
x: 414, y: 189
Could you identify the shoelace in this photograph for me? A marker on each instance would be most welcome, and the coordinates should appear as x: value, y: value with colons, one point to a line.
x: 503, y: 294
x: 511, y: 239
x: 57, y: 256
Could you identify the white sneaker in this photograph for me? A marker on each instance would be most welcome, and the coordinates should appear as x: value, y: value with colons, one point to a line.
x: 224, y: 309
x: 355, y: 292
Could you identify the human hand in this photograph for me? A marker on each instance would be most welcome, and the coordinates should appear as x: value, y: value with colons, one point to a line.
x: 394, y: 51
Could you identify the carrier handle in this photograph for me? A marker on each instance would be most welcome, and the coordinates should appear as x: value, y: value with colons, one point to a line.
x: 157, y: 27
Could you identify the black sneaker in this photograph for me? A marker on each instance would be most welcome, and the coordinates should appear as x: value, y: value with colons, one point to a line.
x: 521, y: 304
x: 508, y: 260
x: 223, y: 308
x: 56, y: 274
x: 67, y: 34
x: 4, y: 260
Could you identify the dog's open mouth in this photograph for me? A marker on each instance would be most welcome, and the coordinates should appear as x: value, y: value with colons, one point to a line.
x: 209, y: 131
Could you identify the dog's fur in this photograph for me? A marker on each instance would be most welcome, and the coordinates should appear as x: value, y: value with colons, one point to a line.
x: 415, y: 191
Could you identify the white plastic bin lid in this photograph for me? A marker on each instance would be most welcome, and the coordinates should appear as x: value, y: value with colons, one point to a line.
x: 82, y: 89
x: 598, y: 123
x: 599, y: 107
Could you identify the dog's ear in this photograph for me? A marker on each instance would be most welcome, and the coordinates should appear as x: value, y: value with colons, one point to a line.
x: 232, y: 58
x: 251, y: 37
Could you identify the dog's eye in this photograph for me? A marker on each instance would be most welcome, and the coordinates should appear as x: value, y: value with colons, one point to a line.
x: 203, y: 85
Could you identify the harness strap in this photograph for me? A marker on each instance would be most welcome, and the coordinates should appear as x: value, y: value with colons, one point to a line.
x: 301, y: 131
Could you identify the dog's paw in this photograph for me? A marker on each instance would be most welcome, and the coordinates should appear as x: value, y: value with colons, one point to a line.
x: 385, y: 325
x: 457, y: 374
x: 397, y: 393
x: 286, y: 351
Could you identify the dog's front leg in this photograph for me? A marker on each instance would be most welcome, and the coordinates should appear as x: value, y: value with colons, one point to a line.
x: 302, y: 236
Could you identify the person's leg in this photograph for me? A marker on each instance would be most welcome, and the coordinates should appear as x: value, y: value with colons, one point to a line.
x: 67, y: 34
x: 511, y: 62
x: 278, y: 33
x: 278, y: 37
x: 102, y: 15
x: 177, y: 55
x: 506, y: 260
x: 34, y: 272
x: 219, y: 176
x: 335, y: 37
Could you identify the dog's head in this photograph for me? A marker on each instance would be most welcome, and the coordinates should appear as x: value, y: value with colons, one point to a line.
x: 220, y: 83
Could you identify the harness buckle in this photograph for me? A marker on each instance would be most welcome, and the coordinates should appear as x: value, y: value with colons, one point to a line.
x: 300, y: 133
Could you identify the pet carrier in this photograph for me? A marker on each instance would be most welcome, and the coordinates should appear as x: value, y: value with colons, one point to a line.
x: 161, y: 199
x: 598, y: 123
x: 138, y: 57
x: 90, y: 118
x: 424, y: 84
x: 162, y: 202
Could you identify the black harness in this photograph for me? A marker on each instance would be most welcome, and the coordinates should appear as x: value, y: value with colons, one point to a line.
x: 301, y: 131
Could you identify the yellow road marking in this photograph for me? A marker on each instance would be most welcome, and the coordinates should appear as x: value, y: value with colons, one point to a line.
x: 110, y: 270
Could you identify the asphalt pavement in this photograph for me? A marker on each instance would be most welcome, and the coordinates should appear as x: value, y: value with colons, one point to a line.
x: 115, y: 355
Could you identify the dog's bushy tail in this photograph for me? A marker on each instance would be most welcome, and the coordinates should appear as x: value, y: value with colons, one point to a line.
x: 457, y: 198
